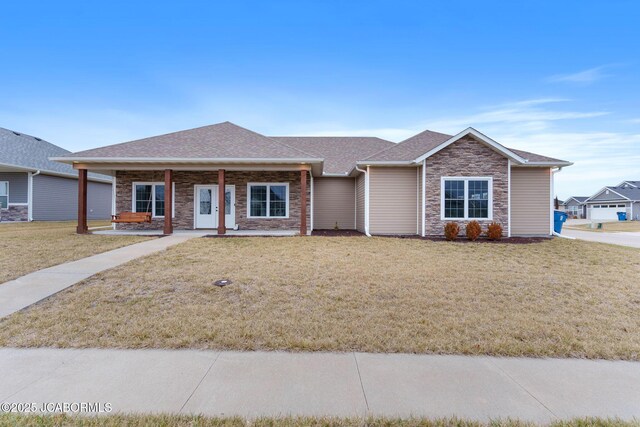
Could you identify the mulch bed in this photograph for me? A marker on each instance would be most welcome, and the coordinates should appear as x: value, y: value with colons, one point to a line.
x: 336, y: 233
x: 461, y: 239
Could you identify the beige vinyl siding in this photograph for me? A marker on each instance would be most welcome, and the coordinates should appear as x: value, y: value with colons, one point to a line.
x: 334, y: 203
x: 393, y: 200
x: 530, y: 201
x: 360, y: 203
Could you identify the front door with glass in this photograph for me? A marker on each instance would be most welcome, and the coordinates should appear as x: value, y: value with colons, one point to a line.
x: 206, y: 206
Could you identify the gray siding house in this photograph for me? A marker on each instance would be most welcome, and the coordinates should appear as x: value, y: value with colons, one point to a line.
x: 606, y: 203
x: 34, y: 188
x: 574, y: 206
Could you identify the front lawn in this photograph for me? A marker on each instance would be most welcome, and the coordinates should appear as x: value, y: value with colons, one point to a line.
x: 557, y: 298
x: 609, y: 227
x: 26, y: 247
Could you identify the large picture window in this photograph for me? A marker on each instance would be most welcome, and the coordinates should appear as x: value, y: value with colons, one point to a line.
x: 268, y: 200
x: 149, y: 197
x: 4, y: 194
x: 466, y: 198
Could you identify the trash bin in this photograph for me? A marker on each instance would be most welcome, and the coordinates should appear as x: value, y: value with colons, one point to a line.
x: 622, y: 216
x: 559, y: 218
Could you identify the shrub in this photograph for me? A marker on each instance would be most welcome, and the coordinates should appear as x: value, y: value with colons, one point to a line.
x: 494, y: 231
x: 473, y: 230
x: 451, y: 230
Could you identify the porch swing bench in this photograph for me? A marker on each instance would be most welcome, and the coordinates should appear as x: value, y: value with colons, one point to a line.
x: 131, y: 217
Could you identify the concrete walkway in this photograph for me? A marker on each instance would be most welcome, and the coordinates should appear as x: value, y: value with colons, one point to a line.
x: 631, y: 239
x: 337, y: 384
x: 31, y: 288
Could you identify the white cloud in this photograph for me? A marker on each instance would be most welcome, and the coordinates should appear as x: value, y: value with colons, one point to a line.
x: 532, y: 115
x: 582, y: 77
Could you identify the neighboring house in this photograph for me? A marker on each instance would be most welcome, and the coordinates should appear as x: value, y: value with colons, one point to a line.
x: 606, y: 203
x: 306, y: 183
x: 574, y: 206
x: 32, y: 187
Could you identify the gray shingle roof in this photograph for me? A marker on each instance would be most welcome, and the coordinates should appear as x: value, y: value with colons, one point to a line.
x: 229, y: 141
x: 533, y: 157
x: 411, y: 148
x: 579, y: 198
x: 419, y: 144
x: 220, y: 141
x: 32, y: 153
x: 340, y: 153
x: 631, y: 193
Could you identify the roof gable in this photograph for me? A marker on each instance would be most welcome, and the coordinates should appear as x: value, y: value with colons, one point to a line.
x: 427, y: 143
x: 480, y: 138
x: 577, y: 199
x: 608, y: 193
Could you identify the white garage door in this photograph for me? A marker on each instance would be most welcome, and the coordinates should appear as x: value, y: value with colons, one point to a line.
x: 606, y: 212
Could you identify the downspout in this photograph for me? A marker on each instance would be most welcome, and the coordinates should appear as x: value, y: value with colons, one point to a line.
x: 366, y: 199
x: 553, y: 173
x: 424, y: 196
x: 509, y: 197
x: 312, y: 211
x: 30, y: 198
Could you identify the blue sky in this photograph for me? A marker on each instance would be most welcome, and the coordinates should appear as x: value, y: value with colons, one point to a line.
x: 558, y: 78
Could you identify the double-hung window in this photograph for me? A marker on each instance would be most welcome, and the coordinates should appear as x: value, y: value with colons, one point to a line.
x: 268, y: 200
x: 466, y: 198
x: 4, y: 194
x: 149, y: 197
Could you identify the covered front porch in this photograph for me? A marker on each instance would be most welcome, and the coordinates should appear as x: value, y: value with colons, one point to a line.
x: 256, y: 200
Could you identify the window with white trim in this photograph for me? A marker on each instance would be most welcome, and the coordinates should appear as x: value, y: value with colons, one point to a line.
x: 4, y: 194
x: 149, y: 197
x: 268, y: 200
x: 466, y: 198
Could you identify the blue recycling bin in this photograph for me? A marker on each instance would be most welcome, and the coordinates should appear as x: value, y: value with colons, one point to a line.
x: 559, y: 218
x: 622, y: 216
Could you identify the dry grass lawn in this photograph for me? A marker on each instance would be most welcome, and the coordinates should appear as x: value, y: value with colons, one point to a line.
x: 29, y: 246
x: 609, y: 227
x: 556, y: 298
x: 61, y: 420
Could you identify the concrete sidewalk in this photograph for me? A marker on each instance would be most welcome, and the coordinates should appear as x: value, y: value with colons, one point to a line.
x: 31, y: 288
x: 336, y: 384
x: 631, y: 239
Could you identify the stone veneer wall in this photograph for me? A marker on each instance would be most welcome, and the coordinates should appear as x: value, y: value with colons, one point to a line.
x: 466, y: 157
x: 14, y: 213
x: 184, y: 197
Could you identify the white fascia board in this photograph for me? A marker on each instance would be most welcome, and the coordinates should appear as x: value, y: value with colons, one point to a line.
x: 336, y: 175
x: 471, y: 131
x: 386, y: 163
x: 72, y: 160
x: 546, y: 164
x: 600, y: 192
x: 18, y: 168
x: 49, y: 172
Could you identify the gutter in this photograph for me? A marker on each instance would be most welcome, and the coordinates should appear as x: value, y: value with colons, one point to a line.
x: 197, y: 160
x: 366, y: 199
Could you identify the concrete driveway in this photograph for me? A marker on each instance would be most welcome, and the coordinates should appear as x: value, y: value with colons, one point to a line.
x: 621, y: 238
